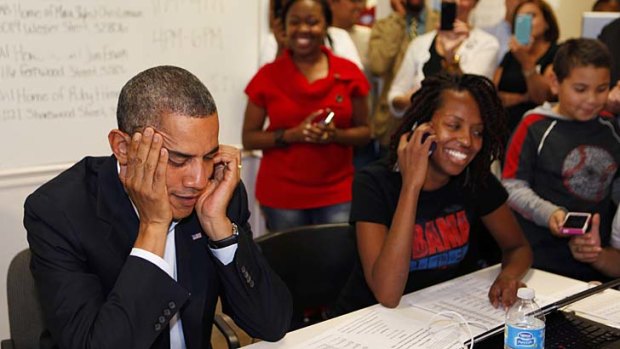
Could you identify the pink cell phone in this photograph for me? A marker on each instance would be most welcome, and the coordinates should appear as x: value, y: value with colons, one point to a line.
x: 576, y: 223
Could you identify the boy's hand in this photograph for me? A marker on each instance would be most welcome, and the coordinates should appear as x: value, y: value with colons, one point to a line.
x: 555, y: 223
x: 587, y: 248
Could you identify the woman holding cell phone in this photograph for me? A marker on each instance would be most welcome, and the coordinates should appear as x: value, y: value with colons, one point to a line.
x: 315, y: 105
x: 414, y: 213
x: 522, y: 78
x: 455, y: 47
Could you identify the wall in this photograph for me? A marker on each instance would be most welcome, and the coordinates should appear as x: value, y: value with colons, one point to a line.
x: 569, y: 16
x: 63, y: 62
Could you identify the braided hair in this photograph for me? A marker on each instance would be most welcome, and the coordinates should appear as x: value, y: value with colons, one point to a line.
x: 428, y: 99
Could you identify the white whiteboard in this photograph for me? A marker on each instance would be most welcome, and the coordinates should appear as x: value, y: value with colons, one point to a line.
x: 63, y: 62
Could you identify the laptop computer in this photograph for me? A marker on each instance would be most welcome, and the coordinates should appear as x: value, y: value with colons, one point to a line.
x: 564, y: 329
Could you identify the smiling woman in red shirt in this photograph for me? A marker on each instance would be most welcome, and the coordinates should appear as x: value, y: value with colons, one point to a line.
x: 306, y: 173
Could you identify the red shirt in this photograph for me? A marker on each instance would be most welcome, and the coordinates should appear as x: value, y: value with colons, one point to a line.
x: 305, y: 175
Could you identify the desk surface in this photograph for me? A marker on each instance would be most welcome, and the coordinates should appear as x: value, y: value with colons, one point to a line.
x: 549, y: 287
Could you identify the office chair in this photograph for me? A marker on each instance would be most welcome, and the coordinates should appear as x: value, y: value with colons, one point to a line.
x: 25, y: 314
x: 314, y: 262
x: 27, y: 326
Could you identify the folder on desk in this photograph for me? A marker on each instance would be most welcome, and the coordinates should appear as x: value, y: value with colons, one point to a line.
x: 564, y: 329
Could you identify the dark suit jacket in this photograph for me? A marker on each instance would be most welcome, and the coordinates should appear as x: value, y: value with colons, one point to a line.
x: 81, y: 228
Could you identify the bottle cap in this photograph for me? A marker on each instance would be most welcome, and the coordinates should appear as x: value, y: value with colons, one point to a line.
x: 525, y: 293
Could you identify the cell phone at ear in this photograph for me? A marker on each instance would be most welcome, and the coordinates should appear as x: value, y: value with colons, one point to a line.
x: 576, y: 223
x: 433, y: 145
x: 448, y: 15
x: 523, y: 28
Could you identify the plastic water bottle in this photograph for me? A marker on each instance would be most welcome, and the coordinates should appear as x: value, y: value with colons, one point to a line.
x: 523, y: 330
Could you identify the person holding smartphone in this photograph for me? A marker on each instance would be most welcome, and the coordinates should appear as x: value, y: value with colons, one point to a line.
x: 414, y: 213
x: 563, y: 159
x: 134, y: 250
x: 456, y: 47
x: 523, y: 76
x: 389, y: 39
x: 588, y: 248
x: 306, y: 170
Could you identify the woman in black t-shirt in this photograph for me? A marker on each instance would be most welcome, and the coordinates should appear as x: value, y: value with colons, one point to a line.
x: 413, y: 212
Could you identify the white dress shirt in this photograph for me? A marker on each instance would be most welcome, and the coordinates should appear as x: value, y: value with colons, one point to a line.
x: 169, y: 265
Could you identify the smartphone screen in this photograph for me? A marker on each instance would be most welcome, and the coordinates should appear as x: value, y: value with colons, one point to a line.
x: 448, y: 15
x: 328, y: 119
x: 523, y: 28
x: 575, y: 221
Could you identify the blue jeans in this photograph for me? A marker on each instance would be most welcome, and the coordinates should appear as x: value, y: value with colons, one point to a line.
x: 278, y: 219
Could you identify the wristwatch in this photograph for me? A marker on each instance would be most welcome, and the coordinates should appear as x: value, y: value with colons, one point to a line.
x: 278, y: 136
x: 225, y: 242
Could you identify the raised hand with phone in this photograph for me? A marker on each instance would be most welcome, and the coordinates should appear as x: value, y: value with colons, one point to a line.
x: 453, y: 31
x: 454, y: 48
x: 523, y: 76
x: 412, y: 148
x: 167, y: 178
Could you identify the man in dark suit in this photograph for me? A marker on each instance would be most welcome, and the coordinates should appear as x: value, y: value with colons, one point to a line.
x: 133, y: 250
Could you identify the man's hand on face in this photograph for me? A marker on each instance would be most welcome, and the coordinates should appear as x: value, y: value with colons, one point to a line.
x: 212, y: 204
x: 144, y: 179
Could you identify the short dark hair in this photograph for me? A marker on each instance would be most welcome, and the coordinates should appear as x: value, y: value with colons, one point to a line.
x: 580, y: 53
x: 327, y: 12
x: 428, y: 99
x: 552, y: 34
x: 146, y: 97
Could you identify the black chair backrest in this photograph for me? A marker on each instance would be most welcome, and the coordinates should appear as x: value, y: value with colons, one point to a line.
x: 25, y: 314
x: 313, y: 261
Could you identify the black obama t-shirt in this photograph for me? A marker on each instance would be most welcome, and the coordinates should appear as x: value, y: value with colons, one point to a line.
x: 444, y: 231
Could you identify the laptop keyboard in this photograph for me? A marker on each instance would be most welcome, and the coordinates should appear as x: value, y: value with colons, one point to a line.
x: 565, y: 330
